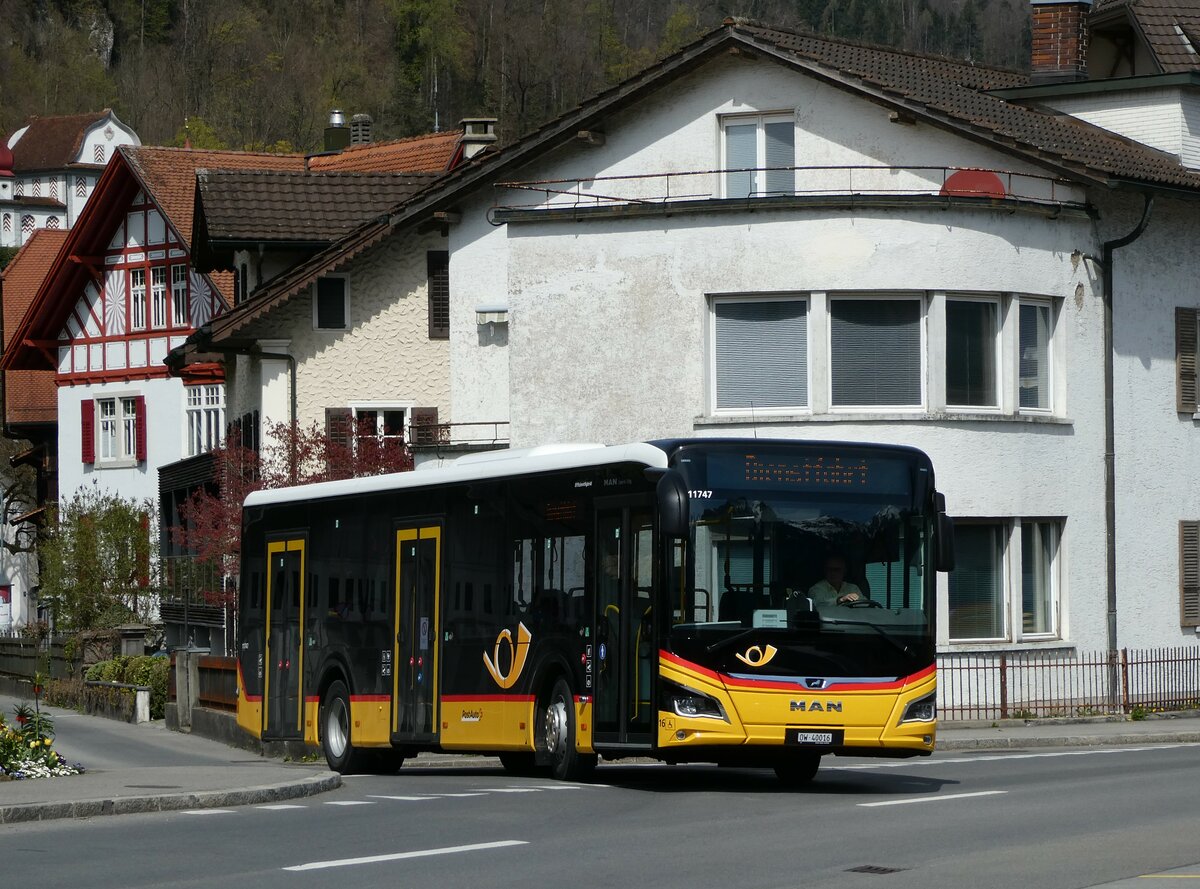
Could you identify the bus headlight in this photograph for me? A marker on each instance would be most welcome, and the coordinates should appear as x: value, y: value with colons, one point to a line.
x: 693, y: 704
x: 921, y: 710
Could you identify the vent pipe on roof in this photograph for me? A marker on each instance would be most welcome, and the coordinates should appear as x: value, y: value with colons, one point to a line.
x: 1059, y: 40
x: 360, y: 129
x: 478, y: 134
x: 337, y: 134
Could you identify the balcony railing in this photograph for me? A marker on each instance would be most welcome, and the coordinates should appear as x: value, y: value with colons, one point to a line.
x: 811, y: 183
x: 467, y: 436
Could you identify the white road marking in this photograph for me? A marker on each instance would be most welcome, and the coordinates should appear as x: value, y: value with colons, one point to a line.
x: 480, y: 793
x: 509, y: 789
x: 407, y: 799
x: 349, y: 802
x: 549, y: 787
x: 397, y: 856
x: 997, y: 757
x: 278, y: 807
x: 931, y: 799
x: 206, y: 812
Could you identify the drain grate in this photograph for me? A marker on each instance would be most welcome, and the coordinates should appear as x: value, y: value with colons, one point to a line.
x: 874, y: 869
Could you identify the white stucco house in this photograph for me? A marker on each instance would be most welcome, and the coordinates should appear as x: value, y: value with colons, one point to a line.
x: 49, y: 167
x: 782, y: 235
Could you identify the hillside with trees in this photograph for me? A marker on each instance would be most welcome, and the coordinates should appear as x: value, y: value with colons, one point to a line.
x: 264, y: 73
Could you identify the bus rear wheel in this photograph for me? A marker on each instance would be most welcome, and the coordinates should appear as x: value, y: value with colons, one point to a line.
x: 335, y: 730
x: 558, y: 728
x: 798, y: 770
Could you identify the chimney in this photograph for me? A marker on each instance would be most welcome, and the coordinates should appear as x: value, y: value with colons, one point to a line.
x: 360, y: 129
x: 478, y: 134
x: 1060, y: 40
x: 337, y: 134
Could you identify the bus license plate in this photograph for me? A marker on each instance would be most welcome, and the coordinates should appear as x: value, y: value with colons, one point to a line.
x: 811, y: 738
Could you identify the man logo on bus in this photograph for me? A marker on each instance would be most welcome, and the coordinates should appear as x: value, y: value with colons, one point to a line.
x: 517, y: 652
x: 756, y: 656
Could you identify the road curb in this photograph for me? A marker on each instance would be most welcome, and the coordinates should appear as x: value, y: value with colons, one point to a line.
x: 1134, y: 739
x: 200, y: 799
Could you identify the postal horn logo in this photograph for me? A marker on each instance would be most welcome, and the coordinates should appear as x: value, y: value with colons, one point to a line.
x: 755, y: 656
x: 517, y: 652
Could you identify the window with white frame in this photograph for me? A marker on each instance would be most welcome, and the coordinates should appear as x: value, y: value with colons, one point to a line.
x: 380, y: 423
x: 972, y: 352
x: 876, y: 352
x: 137, y: 299
x: 759, y: 154
x: 117, y: 429
x: 205, y: 418
x: 179, y: 295
x: 1035, y: 328
x: 331, y: 298
x: 760, y: 350
x: 158, y: 297
x: 1005, y: 587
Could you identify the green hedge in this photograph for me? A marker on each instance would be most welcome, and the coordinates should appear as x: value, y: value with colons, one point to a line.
x: 144, y: 670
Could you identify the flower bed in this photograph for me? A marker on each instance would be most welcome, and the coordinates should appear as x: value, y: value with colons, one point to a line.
x: 27, y: 748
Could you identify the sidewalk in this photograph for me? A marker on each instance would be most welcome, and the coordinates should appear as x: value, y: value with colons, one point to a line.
x: 146, y: 768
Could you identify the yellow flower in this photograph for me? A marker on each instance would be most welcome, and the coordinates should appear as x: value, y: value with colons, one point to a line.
x: 32, y: 744
x: 46, y: 742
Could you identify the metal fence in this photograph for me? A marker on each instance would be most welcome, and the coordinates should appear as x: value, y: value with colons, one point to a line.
x: 218, y: 683
x: 1016, y: 685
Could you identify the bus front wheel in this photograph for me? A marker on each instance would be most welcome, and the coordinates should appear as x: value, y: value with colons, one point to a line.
x: 335, y: 724
x: 558, y: 729
x: 796, y: 771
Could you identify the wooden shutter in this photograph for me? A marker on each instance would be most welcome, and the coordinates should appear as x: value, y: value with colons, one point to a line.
x: 1189, y: 574
x: 87, y: 426
x: 339, y: 426
x: 425, y: 426
x: 1185, y: 360
x: 438, y: 265
x: 140, y: 430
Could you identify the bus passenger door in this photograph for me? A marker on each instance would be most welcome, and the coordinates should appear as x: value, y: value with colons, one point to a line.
x: 627, y: 654
x: 415, y: 656
x: 283, y: 701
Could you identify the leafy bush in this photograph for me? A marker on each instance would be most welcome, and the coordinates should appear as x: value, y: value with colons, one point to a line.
x: 26, y: 749
x: 148, y: 671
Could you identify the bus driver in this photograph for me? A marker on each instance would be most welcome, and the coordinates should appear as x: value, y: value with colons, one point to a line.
x: 834, y: 589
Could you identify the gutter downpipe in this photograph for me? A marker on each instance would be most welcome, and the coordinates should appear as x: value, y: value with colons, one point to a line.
x: 1110, y: 477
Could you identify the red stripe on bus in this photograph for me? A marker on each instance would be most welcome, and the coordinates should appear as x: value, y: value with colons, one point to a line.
x: 459, y: 699
x: 312, y: 699
x: 369, y: 699
x: 738, y: 682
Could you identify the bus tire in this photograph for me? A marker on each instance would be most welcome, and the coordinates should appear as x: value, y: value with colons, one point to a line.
x: 386, y: 762
x: 798, y: 770
x: 558, y: 729
x: 522, y: 765
x: 335, y: 726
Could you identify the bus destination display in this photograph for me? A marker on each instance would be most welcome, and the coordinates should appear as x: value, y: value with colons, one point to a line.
x: 848, y: 473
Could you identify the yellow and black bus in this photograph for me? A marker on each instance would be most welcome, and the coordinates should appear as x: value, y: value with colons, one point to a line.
x: 667, y: 599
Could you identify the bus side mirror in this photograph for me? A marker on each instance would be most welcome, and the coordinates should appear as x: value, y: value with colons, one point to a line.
x: 944, y: 544
x: 672, y: 495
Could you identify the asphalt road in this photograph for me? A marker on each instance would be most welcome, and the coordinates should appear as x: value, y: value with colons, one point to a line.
x: 1037, y: 820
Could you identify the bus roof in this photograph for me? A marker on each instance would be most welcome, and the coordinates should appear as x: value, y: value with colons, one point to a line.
x: 476, y: 467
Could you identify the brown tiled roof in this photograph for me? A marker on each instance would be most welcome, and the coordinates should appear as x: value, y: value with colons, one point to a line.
x: 1171, y: 29
x: 430, y: 153
x: 169, y: 174
x: 51, y: 143
x: 311, y: 207
x: 27, y: 201
x: 954, y: 93
x: 30, y: 395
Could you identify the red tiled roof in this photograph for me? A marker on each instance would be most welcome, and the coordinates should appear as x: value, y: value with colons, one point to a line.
x: 169, y: 174
x: 30, y: 395
x: 430, y: 153
x: 51, y: 143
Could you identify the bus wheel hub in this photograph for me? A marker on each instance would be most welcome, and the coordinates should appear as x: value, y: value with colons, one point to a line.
x: 556, y: 727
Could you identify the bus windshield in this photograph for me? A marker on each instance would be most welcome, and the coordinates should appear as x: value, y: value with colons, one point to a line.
x: 820, y: 551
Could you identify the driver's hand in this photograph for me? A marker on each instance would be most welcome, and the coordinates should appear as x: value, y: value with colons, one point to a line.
x: 849, y: 597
